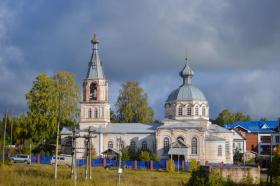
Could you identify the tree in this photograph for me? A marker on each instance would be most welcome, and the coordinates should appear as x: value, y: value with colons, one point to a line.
x: 239, y: 116
x: 113, y: 117
x: 132, y: 104
x: 48, y: 99
x: 275, y: 166
x: 224, y: 117
x: 227, y: 117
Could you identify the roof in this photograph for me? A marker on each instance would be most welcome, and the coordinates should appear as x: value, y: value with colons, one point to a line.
x: 95, y: 70
x: 131, y: 128
x: 255, y: 126
x: 218, y: 129
x: 182, y: 125
x: 66, y: 130
x: 213, y: 138
x: 186, y: 92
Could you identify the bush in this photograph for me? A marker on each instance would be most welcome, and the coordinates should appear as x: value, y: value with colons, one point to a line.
x: 193, y: 165
x: 170, y: 167
x: 144, y: 156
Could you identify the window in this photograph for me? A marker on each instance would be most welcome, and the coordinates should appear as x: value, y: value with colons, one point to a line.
x: 93, y: 91
x: 110, y: 145
x: 166, y: 145
x: 194, y: 145
x: 96, y: 113
x: 220, y: 150
x: 227, y: 148
x: 277, y: 139
x: 144, y: 145
x: 196, y: 110
x: 132, y: 145
x: 265, y: 139
x: 180, y: 111
x: 89, y: 113
x: 203, y: 111
x: 189, y: 110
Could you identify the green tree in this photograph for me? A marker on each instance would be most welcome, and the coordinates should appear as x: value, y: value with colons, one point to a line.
x: 50, y: 99
x: 224, y: 117
x: 132, y: 104
x: 275, y: 166
x: 113, y: 117
x: 239, y: 116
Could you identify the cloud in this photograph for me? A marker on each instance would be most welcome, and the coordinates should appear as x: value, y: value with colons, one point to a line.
x: 233, y: 46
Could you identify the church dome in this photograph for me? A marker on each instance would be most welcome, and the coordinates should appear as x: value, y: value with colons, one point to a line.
x: 186, y: 92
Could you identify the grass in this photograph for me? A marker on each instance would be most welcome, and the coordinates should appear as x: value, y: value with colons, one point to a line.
x: 20, y: 174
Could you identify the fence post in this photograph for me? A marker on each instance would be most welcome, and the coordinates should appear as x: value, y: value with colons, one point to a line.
x: 206, y: 163
x: 151, y: 165
x: 104, y: 162
x: 135, y: 164
x: 182, y: 165
x: 222, y: 164
x: 166, y: 164
x: 37, y: 158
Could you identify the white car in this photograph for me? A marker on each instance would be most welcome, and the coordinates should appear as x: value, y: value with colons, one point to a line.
x: 21, y: 158
x: 62, y: 159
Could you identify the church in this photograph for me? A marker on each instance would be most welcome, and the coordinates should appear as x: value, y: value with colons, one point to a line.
x: 185, y: 133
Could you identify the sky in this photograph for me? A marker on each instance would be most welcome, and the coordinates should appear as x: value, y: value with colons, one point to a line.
x: 233, y: 48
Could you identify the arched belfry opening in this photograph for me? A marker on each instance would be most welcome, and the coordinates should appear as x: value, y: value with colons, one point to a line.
x: 93, y: 91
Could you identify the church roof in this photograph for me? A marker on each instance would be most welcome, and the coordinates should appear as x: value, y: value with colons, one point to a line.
x: 218, y: 129
x: 187, y: 91
x: 95, y: 70
x: 132, y: 128
x: 182, y: 125
x: 213, y: 138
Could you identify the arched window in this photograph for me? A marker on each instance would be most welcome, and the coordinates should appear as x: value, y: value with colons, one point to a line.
x: 227, y: 148
x: 180, y: 111
x: 180, y: 139
x: 132, y: 145
x: 220, y: 150
x: 89, y: 113
x: 110, y: 145
x: 93, y: 91
x: 203, y: 111
x: 95, y: 113
x: 194, y: 145
x: 189, y: 110
x: 166, y: 145
x: 144, y: 145
x: 196, y: 110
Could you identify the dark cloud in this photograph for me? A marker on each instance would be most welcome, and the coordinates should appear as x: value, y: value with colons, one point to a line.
x: 233, y: 48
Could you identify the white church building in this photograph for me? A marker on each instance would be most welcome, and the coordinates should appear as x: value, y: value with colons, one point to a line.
x: 186, y: 131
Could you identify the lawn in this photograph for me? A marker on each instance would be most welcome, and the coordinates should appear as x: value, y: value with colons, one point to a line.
x: 20, y: 174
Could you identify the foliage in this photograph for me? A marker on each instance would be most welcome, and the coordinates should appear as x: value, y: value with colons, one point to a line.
x: 113, y: 117
x: 227, y: 117
x: 170, y: 167
x: 49, y: 100
x: 144, y: 156
x: 193, y: 165
x: 126, y: 154
x: 132, y: 104
x: 275, y: 168
x: 238, y: 156
x: 199, y: 177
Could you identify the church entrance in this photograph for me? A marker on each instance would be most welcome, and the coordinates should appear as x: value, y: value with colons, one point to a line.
x: 178, y: 151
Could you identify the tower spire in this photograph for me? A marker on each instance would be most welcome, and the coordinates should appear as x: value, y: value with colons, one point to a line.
x: 95, y: 70
x: 186, y: 73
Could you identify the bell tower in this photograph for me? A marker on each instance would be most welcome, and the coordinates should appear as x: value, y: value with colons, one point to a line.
x: 95, y: 107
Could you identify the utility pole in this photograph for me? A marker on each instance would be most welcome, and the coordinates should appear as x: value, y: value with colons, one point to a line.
x: 120, y: 161
x: 57, y: 135
x: 4, y: 137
